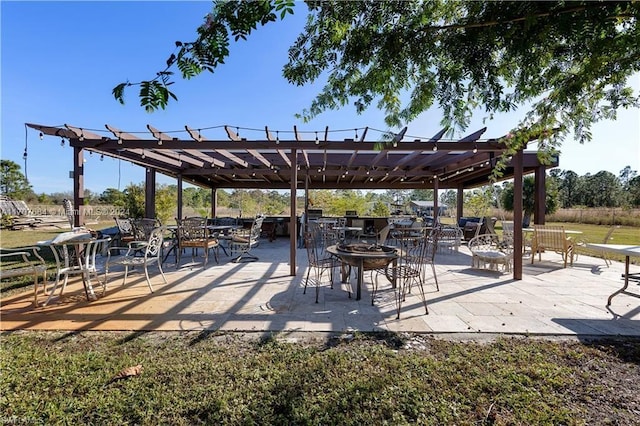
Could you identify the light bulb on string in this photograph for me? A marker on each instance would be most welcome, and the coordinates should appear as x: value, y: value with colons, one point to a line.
x: 475, y: 148
x: 81, y: 138
x: 435, y: 147
x: 41, y: 135
x: 277, y: 137
x: 356, y: 130
x: 61, y: 141
x: 317, y: 140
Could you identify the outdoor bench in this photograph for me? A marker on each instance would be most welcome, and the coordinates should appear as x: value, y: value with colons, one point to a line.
x: 19, y: 262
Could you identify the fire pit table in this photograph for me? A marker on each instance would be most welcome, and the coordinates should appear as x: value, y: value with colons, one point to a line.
x: 364, y: 257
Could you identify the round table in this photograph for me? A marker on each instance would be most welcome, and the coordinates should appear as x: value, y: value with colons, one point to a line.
x: 364, y: 260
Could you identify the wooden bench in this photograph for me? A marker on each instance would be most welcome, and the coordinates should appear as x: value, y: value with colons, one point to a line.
x: 17, y: 262
x: 552, y: 238
x: 489, y: 252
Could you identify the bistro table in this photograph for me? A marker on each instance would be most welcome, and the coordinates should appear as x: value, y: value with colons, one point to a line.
x: 78, y: 250
x: 364, y: 257
x: 626, y: 250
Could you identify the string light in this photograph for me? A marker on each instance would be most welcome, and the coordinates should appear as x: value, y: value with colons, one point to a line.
x: 81, y: 138
x: 475, y: 147
x: 435, y: 147
x: 277, y: 137
x: 41, y: 135
x: 356, y: 134
x: 102, y: 157
x: 61, y: 141
x: 317, y: 140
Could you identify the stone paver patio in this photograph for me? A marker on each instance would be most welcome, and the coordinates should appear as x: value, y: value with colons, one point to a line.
x: 261, y: 296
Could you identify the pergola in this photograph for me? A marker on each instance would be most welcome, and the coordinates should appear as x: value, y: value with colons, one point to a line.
x: 300, y: 163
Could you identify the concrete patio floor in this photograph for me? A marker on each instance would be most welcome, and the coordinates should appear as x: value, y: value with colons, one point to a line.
x: 261, y: 296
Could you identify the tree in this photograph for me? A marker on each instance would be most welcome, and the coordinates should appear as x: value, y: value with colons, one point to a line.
x: 568, y: 62
x: 134, y: 200
x: 528, y: 199
x: 478, y: 201
x: 602, y: 190
x: 450, y: 199
x: 13, y: 183
x: 112, y: 196
x: 634, y: 192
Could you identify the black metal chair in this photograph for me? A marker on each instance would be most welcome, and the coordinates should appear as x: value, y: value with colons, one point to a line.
x: 319, y: 259
x: 242, y: 242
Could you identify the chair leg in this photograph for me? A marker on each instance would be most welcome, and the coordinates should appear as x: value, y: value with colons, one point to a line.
x: 126, y: 272
x: 435, y: 276
x: 146, y: 274
x: 161, y: 271
x: 306, y: 282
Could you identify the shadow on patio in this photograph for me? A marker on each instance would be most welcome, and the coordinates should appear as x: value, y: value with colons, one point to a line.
x: 262, y: 297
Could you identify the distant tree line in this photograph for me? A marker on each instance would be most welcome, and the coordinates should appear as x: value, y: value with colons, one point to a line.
x: 565, y: 189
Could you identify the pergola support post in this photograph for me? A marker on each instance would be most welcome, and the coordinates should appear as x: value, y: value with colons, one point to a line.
x: 517, y: 215
x: 179, y: 182
x: 214, y: 202
x: 459, y: 203
x: 540, y: 195
x: 78, y: 187
x: 150, y: 193
x: 436, y: 208
x: 293, y: 228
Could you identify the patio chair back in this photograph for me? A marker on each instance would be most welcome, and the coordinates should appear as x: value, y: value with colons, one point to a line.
x: 243, y: 242
x: 68, y: 211
x: 193, y: 233
x: 320, y: 261
x: 413, y: 255
x: 152, y: 254
x: 126, y: 233
x: 142, y: 228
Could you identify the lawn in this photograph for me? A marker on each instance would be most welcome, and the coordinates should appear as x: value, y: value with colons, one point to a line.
x: 191, y: 378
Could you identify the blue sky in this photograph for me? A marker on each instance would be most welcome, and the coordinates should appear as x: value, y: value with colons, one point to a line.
x: 60, y: 61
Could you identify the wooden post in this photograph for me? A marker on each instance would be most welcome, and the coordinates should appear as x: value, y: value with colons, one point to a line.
x: 517, y: 215
x: 293, y: 223
x: 150, y: 193
x: 460, y: 203
x: 179, y: 215
x: 435, y: 201
x: 214, y: 202
x: 540, y: 196
x: 78, y: 187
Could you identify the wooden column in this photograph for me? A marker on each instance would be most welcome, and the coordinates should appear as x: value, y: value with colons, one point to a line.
x: 435, y: 201
x: 150, y: 193
x: 540, y: 195
x: 460, y: 203
x: 517, y: 215
x: 179, y: 215
x: 78, y: 187
x: 214, y: 202
x: 293, y: 221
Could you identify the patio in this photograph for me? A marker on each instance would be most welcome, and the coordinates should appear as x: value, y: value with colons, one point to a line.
x: 262, y: 296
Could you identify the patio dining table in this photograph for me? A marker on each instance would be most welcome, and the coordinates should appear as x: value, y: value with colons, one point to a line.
x: 627, y: 251
x: 364, y: 257
x: 74, y: 253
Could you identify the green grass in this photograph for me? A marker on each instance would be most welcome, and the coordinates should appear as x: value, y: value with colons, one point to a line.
x: 218, y: 379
